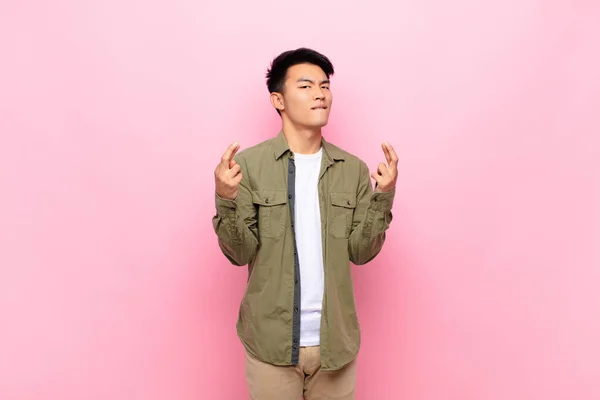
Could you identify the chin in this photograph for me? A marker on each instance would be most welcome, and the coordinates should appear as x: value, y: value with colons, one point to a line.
x: 313, y: 123
x: 319, y: 124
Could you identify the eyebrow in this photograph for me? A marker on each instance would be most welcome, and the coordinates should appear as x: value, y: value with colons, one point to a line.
x: 311, y: 81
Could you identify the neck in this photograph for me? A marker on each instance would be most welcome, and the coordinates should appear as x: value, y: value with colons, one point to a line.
x: 302, y: 140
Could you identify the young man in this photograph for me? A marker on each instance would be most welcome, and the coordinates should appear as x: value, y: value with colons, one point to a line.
x: 297, y: 210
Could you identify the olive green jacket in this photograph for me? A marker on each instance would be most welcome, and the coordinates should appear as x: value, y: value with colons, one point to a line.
x: 257, y: 229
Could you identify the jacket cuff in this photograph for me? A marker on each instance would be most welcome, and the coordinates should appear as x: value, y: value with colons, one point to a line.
x: 383, y: 201
x: 225, y: 206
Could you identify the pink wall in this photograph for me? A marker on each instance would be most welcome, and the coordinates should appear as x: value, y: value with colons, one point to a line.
x: 113, y: 115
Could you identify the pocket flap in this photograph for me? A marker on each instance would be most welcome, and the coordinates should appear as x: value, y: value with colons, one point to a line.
x: 269, y: 197
x: 347, y: 200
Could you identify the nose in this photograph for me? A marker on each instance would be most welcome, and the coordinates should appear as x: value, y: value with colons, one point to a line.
x: 319, y: 94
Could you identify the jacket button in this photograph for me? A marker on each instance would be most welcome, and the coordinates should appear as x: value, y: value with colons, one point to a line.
x: 289, y: 196
x: 296, y: 309
x: 348, y: 202
x: 267, y: 201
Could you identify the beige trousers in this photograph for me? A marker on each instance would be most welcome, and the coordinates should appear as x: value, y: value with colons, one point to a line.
x: 271, y: 382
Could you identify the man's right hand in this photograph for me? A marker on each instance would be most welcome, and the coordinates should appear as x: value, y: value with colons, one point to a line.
x: 228, y: 174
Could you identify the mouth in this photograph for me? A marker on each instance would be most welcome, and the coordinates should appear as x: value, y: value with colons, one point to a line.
x: 319, y: 108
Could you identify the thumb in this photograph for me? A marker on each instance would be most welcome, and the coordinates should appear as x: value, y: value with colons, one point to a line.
x: 376, y: 176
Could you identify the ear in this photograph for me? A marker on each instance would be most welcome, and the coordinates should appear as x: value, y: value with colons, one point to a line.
x: 277, y: 101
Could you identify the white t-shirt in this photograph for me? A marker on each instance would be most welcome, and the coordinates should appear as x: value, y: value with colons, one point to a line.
x: 307, y: 229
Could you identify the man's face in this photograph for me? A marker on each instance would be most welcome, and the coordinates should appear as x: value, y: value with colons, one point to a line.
x: 306, y: 96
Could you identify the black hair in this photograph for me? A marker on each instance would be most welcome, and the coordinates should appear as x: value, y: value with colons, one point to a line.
x: 279, y: 66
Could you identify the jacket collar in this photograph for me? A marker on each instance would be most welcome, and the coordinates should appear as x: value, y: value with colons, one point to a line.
x: 330, y: 152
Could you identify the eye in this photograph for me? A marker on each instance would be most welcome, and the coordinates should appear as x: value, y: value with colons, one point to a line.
x: 325, y: 87
x: 304, y: 87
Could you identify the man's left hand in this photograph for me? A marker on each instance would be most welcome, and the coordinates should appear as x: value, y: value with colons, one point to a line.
x: 386, y: 175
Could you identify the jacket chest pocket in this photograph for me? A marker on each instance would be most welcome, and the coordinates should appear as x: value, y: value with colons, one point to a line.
x: 342, y: 214
x: 272, y: 211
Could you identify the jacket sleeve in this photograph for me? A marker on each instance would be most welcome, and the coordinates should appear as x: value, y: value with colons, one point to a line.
x: 372, y: 218
x: 235, y: 223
